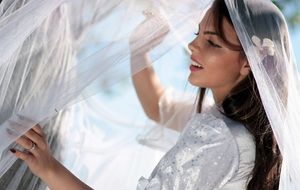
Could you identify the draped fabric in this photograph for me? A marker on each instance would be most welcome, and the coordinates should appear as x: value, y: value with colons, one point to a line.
x: 57, y: 53
x: 51, y: 42
x: 21, y: 74
x: 266, y: 41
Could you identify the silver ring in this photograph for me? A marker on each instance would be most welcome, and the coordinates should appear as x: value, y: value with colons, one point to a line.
x: 33, y: 146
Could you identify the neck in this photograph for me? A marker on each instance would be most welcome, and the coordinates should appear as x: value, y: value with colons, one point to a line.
x: 220, y: 94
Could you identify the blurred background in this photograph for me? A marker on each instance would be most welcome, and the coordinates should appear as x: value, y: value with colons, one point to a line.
x: 290, y: 9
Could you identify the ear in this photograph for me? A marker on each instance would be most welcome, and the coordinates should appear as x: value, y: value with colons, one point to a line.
x: 245, y: 69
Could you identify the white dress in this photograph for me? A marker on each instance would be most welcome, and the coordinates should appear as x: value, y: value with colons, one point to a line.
x: 212, y: 152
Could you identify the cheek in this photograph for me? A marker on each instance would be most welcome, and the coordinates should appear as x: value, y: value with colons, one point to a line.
x: 224, y: 73
x: 225, y: 65
x: 220, y: 69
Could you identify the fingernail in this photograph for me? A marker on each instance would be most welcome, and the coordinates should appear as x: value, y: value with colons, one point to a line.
x: 12, y: 150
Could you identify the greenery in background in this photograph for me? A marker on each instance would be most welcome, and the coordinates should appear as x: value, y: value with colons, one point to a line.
x: 290, y: 8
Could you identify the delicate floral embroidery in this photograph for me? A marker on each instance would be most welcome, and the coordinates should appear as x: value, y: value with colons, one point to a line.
x: 265, y: 47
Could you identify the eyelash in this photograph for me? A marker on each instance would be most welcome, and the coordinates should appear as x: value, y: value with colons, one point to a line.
x: 213, y: 44
x: 209, y: 41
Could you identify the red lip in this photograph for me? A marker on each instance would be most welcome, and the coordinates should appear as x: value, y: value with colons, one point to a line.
x: 194, y: 68
x: 193, y: 59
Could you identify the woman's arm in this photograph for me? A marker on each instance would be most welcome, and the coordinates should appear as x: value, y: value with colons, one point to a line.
x: 61, y: 178
x: 147, y: 87
x: 146, y: 83
x: 41, y: 162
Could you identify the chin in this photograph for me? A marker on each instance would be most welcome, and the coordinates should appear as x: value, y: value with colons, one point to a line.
x: 196, y: 83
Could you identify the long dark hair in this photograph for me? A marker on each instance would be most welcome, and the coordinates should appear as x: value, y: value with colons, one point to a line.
x: 243, y: 104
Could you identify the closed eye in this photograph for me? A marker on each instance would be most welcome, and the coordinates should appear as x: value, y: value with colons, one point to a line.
x: 213, y: 44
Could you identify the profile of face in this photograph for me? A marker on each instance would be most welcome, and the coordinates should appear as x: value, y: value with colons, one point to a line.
x: 214, y: 64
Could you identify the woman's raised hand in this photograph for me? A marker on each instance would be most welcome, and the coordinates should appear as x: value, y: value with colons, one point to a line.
x: 37, y: 154
x: 150, y: 33
x: 146, y: 36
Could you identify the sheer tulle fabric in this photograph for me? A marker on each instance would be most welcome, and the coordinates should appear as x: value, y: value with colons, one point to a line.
x: 264, y: 35
x: 56, y: 53
x: 58, y: 67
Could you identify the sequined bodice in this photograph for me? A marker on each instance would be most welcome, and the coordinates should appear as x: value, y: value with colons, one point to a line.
x: 206, y: 156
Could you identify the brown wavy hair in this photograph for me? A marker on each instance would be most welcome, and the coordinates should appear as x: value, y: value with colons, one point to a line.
x: 243, y: 104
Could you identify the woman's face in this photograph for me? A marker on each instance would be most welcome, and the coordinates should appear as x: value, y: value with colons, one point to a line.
x: 216, y: 66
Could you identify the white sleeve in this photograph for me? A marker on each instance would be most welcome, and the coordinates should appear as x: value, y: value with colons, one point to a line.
x: 205, y: 157
x: 175, y: 109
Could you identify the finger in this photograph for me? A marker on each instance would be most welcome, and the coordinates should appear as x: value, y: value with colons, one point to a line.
x: 36, y: 138
x: 27, y: 157
x: 24, y: 142
x: 38, y: 129
x: 148, y: 13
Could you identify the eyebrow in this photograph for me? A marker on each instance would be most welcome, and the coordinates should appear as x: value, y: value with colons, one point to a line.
x: 210, y: 33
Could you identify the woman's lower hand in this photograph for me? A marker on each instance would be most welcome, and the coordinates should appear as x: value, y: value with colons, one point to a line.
x: 38, y: 157
x: 37, y: 154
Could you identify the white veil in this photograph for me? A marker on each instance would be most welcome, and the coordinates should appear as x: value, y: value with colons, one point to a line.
x: 264, y: 35
x: 56, y: 53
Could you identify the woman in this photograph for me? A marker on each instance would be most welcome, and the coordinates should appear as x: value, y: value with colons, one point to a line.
x: 228, y: 146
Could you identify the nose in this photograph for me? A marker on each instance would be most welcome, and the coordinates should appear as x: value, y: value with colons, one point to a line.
x: 191, y: 46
